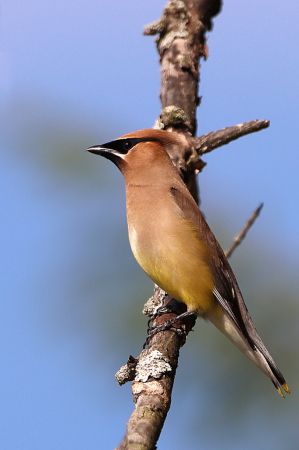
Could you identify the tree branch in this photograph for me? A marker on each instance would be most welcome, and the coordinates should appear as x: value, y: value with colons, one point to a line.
x: 215, y: 139
x: 181, y: 42
x: 239, y: 238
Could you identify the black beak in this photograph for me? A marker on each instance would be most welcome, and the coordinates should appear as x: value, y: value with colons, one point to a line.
x: 107, y: 152
x: 98, y: 150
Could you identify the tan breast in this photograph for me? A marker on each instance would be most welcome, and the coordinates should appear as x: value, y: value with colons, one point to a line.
x: 168, y: 247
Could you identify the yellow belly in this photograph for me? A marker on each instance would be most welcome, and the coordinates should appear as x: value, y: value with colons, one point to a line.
x: 178, y: 263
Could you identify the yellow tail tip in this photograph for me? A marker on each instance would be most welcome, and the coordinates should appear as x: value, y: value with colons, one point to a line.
x: 286, y: 388
x: 280, y: 391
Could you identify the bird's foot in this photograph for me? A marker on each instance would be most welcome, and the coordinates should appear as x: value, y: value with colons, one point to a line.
x: 159, y: 312
x: 151, y: 331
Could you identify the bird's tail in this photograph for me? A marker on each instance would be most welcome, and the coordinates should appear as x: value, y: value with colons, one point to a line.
x: 255, y: 351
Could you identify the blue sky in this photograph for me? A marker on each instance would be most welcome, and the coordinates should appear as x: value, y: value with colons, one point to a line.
x: 73, y: 75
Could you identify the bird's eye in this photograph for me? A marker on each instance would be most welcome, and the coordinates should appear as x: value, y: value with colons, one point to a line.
x: 127, y: 145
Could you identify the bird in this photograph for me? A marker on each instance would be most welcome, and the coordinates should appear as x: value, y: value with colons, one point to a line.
x: 175, y: 246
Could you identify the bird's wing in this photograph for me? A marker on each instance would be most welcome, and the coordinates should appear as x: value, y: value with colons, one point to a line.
x: 226, y: 290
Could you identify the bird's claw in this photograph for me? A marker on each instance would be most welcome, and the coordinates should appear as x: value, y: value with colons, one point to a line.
x: 151, y: 331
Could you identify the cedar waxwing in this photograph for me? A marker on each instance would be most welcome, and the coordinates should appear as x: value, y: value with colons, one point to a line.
x: 174, y: 245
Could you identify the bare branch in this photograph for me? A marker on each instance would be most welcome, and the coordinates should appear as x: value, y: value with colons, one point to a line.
x: 152, y: 392
x: 181, y: 43
x: 215, y: 139
x: 153, y: 373
x: 239, y: 238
